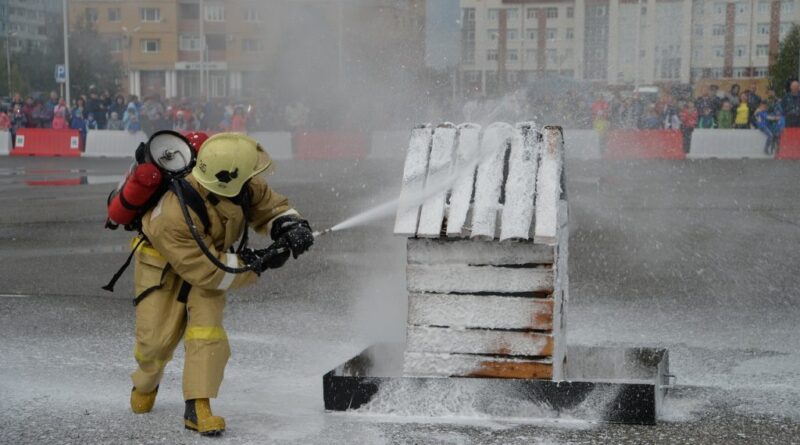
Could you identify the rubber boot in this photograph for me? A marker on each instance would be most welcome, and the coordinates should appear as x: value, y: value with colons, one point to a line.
x: 198, y: 417
x: 143, y: 402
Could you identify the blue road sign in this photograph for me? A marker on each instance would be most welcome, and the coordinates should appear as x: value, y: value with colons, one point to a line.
x: 61, y: 74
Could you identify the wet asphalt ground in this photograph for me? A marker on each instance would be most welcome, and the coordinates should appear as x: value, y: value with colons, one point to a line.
x: 698, y: 257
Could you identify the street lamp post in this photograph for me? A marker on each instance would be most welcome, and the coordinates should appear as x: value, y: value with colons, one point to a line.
x: 129, y: 42
x: 8, y: 58
x: 64, y: 7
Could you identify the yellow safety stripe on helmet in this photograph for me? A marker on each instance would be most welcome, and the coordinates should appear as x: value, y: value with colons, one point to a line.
x: 142, y: 359
x: 205, y: 333
x: 145, y: 248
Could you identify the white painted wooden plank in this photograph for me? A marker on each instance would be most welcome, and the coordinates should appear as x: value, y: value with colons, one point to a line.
x: 477, y: 252
x: 414, y: 172
x: 478, y: 341
x: 449, y: 278
x: 436, y: 185
x: 523, y: 163
x: 466, y: 164
x: 561, y: 293
x: 446, y: 365
x: 489, y: 180
x: 548, y: 187
x: 480, y: 311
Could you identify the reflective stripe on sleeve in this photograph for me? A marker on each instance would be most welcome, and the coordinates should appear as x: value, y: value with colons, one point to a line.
x: 231, y: 261
x: 205, y: 333
x: 286, y: 213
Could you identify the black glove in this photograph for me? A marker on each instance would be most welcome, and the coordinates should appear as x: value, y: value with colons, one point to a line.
x: 294, y: 232
x: 272, y: 257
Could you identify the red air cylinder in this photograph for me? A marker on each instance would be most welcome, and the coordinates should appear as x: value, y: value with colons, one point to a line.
x: 139, y: 187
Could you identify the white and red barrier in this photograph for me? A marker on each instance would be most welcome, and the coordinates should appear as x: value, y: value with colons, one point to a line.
x: 46, y: 142
x: 277, y: 143
x: 581, y: 144
x: 728, y: 144
x: 389, y: 144
x: 329, y: 145
x: 790, y: 144
x: 5, y: 142
x: 644, y: 144
x: 112, y: 144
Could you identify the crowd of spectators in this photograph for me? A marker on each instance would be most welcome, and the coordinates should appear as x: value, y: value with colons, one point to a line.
x: 735, y: 109
x: 101, y: 111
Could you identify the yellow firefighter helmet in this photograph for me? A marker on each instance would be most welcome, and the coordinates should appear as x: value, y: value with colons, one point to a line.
x: 227, y: 160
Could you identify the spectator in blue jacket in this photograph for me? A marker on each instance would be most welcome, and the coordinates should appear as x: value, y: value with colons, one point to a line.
x: 769, y: 124
x: 78, y: 122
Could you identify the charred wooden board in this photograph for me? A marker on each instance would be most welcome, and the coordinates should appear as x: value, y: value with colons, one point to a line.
x: 478, y: 341
x: 463, y: 365
x: 461, y: 278
x: 478, y: 253
x: 480, y: 311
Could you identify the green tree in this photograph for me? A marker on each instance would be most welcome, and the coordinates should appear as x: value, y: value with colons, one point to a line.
x: 788, y: 60
x: 19, y: 82
x: 90, y: 62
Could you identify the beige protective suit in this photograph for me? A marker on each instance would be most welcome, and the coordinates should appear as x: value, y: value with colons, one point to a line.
x: 161, y: 320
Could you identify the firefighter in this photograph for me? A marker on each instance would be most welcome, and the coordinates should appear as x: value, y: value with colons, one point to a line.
x: 181, y: 288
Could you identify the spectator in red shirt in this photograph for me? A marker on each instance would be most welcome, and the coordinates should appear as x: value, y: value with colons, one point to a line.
x: 239, y: 121
x: 689, y: 117
x: 5, y: 121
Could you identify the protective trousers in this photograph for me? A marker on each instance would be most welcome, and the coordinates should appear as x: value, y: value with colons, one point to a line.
x: 161, y: 321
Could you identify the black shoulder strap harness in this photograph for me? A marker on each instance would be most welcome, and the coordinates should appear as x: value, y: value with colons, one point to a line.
x: 194, y: 201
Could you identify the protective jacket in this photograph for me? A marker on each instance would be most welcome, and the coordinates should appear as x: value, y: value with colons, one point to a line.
x: 190, y: 290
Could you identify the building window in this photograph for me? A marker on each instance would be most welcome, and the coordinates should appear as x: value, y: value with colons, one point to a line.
x: 114, y: 15
x: 741, y: 51
x: 552, y: 56
x: 697, y: 51
x: 698, y: 30
x: 115, y: 45
x: 491, y: 55
x: 532, y: 33
x: 150, y: 45
x: 741, y: 7
x: 763, y: 29
x: 530, y: 55
x: 251, y: 45
x: 762, y: 50
x: 787, y: 6
x: 551, y: 34
x: 190, y: 42
x: 215, y: 42
x: 597, y: 11
x: 215, y: 13
x: 720, y: 8
x: 570, y: 33
x: 513, y: 55
x: 189, y: 11
x: 552, y: 13
x: 761, y: 72
x: 532, y: 13
x: 512, y: 14
x: 719, y: 51
x: 150, y: 14
x: 91, y: 15
x: 739, y: 72
x: 763, y: 7
x: 784, y: 29
x: 252, y: 15
x: 718, y: 30
x: 494, y: 13
x: 493, y: 34
x: 570, y: 12
x: 740, y: 29
x: 511, y: 34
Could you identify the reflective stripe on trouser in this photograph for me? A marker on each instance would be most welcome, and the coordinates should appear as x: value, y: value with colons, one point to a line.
x: 161, y: 321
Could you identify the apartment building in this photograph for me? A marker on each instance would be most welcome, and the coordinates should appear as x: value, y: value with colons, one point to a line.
x: 509, y: 41
x: 24, y: 22
x: 160, y: 43
x: 736, y: 39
